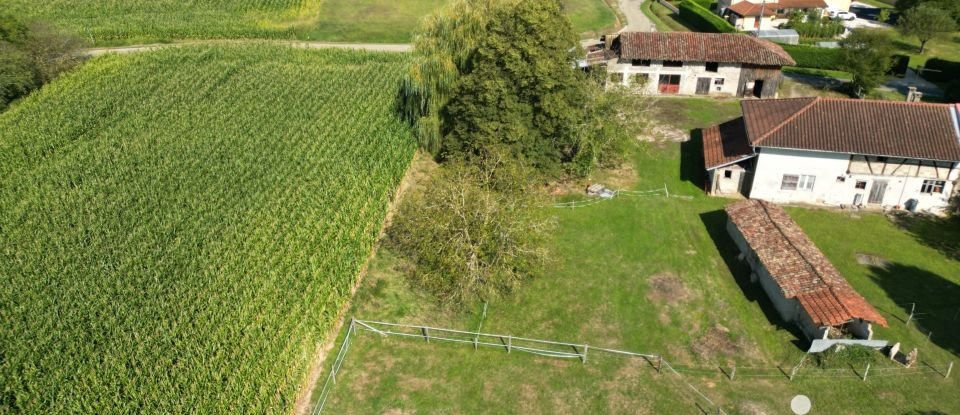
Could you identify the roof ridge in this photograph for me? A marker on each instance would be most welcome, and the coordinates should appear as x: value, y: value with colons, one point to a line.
x: 813, y: 102
x: 885, y: 102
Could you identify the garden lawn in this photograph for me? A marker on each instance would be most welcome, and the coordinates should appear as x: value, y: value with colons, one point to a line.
x: 655, y: 275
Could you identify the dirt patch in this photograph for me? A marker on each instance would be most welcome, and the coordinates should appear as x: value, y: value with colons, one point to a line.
x: 717, y: 341
x: 667, y: 288
x: 871, y: 260
x: 752, y: 408
x: 664, y: 133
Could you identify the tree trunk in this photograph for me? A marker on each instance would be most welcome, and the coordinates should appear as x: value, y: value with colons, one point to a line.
x: 923, y: 44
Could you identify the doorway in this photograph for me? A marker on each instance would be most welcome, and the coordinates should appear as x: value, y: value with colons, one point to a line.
x: 877, y: 191
x: 758, y: 88
x: 703, y: 86
x: 669, y: 84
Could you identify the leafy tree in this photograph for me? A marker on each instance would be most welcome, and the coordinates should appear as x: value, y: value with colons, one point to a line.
x: 868, y: 55
x: 473, y: 231
x: 53, y: 50
x: 12, y: 29
x: 17, y: 76
x: 952, y: 7
x: 925, y: 22
x: 522, y: 93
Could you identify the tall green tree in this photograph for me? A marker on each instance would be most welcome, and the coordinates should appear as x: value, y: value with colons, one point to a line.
x: 951, y: 7
x: 521, y: 93
x: 472, y: 231
x: 868, y: 55
x: 926, y: 22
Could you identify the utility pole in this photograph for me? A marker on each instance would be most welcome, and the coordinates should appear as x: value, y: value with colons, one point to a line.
x: 763, y: 6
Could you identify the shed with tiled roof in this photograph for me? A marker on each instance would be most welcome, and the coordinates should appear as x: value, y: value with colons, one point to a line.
x: 801, y: 282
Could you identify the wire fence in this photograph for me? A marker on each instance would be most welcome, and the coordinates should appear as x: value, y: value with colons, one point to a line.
x: 677, y: 374
x: 580, y: 203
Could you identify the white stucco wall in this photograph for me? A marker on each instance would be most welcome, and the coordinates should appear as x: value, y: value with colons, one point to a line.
x: 729, y: 72
x: 721, y: 185
x: 773, y: 163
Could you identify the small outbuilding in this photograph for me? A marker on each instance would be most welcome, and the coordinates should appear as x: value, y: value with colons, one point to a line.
x: 805, y: 288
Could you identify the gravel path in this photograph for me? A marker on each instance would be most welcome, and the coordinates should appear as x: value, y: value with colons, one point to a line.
x: 636, y: 20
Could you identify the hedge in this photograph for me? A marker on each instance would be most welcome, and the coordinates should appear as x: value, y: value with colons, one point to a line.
x: 948, y: 70
x: 900, y: 65
x: 702, y: 19
x: 814, y: 57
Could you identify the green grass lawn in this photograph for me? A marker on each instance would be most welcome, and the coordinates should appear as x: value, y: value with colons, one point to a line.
x: 655, y: 275
x: 141, y: 21
x: 662, y: 17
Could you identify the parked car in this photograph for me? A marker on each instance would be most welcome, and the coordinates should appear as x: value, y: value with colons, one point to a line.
x: 841, y: 15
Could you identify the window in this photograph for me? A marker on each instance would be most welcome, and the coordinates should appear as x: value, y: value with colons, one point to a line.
x: 932, y: 186
x: 669, y: 84
x: 640, y: 62
x: 727, y: 174
x: 712, y: 66
x: 616, y: 77
x: 673, y: 64
x: 718, y: 81
x: 860, y: 184
x: 797, y: 182
x: 639, y: 79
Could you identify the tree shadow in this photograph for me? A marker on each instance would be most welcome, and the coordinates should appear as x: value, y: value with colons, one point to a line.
x: 691, y: 159
x: 716, y: 225
x: 940, y: 233
x: 935, y: 297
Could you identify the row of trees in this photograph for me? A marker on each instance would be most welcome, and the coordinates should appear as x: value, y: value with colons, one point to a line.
x: 494, y: 94
x: 32, y: 54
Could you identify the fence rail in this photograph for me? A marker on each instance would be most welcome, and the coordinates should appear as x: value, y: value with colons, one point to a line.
x: 581, y: 351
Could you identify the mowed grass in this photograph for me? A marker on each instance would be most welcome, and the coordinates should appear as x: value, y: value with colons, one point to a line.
x: 375, y: 21
x: 180, y: 229
x: 656, y: 275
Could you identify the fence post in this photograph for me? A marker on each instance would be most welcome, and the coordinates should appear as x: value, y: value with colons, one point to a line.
x: 659, y: 364
x: 509, y: 343
x: 733, y: 373
x: 949, y: 368
x: 912, y: 306
x: 867, y: 370
x: 928, y: 337
x: 793, y: 372
x: 584, y: 357
x: 426, y: 334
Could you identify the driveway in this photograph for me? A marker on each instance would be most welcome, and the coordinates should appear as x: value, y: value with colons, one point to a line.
x: 636, y: 20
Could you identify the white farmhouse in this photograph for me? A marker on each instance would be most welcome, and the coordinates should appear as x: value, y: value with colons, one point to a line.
x: 746, y: 14
x: 880, y: 154
x: 687, y: 63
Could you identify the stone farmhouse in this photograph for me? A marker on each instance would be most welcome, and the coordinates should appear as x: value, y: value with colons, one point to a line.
x: 831, y: 151
x: 686, y: 63
x: 804, y: 287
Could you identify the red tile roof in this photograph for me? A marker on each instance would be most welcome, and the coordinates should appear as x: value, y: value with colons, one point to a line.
x: 725, y: 144
x: 746, y: 8
x: 797, y: 266
x: 868, y: 127
x: 701, y: 47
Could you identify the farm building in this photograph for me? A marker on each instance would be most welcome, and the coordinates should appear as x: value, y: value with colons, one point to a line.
x: 686, y: 63
x: 803, y: 285
x: 872, y: 154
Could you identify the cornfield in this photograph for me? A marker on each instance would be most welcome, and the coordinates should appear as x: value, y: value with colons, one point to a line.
x: 179, y: 229
x: 100, y: 20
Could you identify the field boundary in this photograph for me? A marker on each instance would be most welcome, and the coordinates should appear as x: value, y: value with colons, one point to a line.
x: 583, y: 351
x: 302, y: 404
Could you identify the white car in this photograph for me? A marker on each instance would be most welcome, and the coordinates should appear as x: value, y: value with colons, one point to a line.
x: 841, y: 15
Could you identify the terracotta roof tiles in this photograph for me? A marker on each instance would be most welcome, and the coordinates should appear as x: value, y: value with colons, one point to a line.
x: 797, y: 266
x: 701, y: 47
x: 868, y: 127
x: 725, y: 144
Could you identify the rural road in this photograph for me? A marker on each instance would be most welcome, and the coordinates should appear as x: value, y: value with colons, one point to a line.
x: 382, y: 47
x: 636, y: 20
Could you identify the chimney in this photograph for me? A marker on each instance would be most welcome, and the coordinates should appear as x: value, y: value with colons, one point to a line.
x: 913, y: 95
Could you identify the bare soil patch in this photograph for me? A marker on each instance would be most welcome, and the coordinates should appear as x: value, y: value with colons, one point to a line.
x: 667, y: 288
x: 871, y: 260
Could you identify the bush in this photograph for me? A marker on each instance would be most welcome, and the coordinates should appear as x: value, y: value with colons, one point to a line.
x: 948, y: 70
x: 814, y: 57
x: 900, y: 65
x: 703, y: 19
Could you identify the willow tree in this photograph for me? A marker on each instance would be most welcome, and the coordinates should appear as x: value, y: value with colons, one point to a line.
x: 441, y: 52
